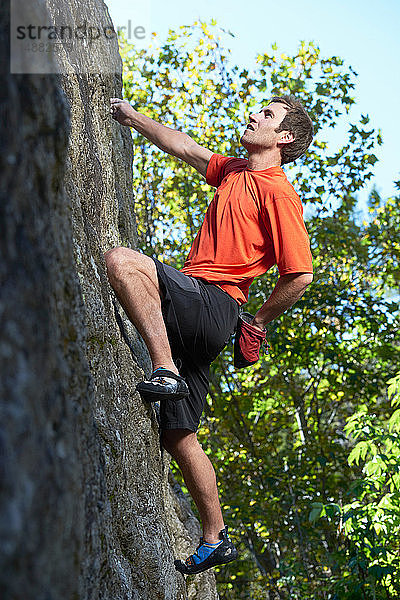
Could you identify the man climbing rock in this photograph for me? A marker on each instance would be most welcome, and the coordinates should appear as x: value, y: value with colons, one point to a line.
x: 187, y: 316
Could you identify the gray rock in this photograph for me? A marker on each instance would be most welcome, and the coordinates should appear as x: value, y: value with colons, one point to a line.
x: 88, y: 506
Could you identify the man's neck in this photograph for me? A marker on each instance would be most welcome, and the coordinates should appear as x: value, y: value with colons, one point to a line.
x: 262, y: 161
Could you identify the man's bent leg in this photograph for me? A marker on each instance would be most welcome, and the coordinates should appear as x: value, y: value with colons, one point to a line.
x: 133, y: 277
x: 199, y: 476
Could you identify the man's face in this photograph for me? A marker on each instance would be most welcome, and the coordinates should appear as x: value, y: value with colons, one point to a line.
x: 260, y: 131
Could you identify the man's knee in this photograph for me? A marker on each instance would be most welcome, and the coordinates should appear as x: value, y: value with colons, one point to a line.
x: 119, y: 260
x: 178, y: 441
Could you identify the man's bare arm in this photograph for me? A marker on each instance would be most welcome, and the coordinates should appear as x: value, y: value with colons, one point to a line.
x: 288, y: 289
x: 172, y: 141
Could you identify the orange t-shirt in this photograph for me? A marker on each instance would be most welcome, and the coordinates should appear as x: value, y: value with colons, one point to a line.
x: 254, y: 221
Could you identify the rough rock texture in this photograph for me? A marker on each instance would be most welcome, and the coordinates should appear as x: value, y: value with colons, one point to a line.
x: 88, y: 507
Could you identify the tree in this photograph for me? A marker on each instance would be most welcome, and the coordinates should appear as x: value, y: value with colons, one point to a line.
x: 278, y: 428
x: 369, y: 524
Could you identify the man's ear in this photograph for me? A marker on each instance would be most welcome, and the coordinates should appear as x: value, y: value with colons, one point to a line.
x: 285, y: 137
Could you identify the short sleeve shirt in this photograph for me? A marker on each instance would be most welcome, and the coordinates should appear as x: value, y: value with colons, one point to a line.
x: 254, y: 221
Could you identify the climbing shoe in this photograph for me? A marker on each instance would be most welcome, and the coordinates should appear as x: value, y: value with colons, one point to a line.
x: 209, y: 555
x: 163, y: 384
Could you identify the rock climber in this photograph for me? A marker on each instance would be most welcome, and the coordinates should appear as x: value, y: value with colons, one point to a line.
x: 186, y: 317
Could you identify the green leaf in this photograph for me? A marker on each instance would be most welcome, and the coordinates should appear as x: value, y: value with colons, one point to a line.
x: 394, y: 421
x: 359, y: 451
x: 316, y: 512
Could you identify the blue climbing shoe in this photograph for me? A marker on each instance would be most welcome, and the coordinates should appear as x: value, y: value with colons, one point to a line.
x: 163, y: 384
x: 209, y: 555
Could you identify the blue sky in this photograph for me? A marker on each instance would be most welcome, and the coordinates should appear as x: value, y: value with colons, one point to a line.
x: 365, y: 34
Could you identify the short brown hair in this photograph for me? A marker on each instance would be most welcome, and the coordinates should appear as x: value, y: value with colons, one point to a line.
x: 298, y: 122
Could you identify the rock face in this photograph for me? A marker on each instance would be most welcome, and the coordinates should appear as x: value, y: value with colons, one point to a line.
x: 88, y: 507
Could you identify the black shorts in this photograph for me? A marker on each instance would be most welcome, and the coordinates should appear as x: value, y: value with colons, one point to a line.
x: 199, y: 318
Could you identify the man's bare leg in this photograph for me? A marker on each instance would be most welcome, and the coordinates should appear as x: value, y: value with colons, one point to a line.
x: 133, y: 277
x: 199, y: 476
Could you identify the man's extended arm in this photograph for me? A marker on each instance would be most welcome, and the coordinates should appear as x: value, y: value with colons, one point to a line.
x: 288, y: 289
x: 176, y: 143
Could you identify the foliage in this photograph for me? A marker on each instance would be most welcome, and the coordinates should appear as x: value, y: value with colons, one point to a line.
x: 368, y: 525
x: 188, y: 83
x: 275, y: 432
x: 183, y: 84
